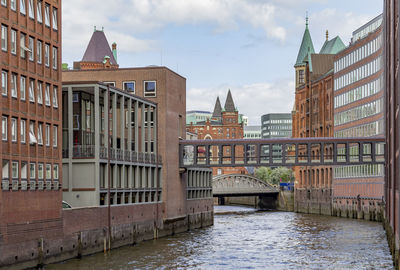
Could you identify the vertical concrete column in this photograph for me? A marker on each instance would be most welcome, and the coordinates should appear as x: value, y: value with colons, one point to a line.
x: 143, y: 128
x: 70, y: 137
x: 155, y: 142
x: 114, y: 139
x: 129, y: 125
x: 122, y: 127
x: 136, y: 126
x: 97, y: 118
x: 106, y: 132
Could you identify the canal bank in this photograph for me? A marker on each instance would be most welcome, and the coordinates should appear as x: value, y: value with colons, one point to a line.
x: 256, y: 240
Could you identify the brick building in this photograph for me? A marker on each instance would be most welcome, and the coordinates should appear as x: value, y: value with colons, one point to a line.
x: 312, y: 116
x: 359, y: 112
x: 224, y: 124
x: 391, y: 53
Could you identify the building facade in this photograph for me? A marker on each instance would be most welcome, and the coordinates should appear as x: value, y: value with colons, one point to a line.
x: 391, y: 42
x: 118, y: 148
x: 252, y: 132
x: 197, y: 116
x: 312, y: 116
x: 276, y: 125
x: 224, y: 124
x: 359, y: 112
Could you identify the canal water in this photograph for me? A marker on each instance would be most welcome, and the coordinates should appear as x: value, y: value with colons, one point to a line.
x: 243, y: 238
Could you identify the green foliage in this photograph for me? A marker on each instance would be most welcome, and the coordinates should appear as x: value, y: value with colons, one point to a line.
x: 274, y: 176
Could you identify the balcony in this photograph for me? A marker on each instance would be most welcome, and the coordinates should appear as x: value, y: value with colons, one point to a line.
x: 83, y: 151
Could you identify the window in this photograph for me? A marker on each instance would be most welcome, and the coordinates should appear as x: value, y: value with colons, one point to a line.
x: 13, y: 41
x: 31, y: 49
x: 47, y: 138
x: 32, y: 137
x: 48, y: 171
x: 14, y: 169
x: 39, y: 52
x: 23, y: 170
x: 32, y: 90
x: 22, y: 45
x: 46, y: 55
x: 40, y: 93
x: 4, y: 3
x: 4, y: 128
x: 109, y: 83
x: 22, y: 7
x: 23, y: 131
x: 14, y: 129
x: 40, y: 170
x: 55, y: 58
x: 4, y: 39
x: 129, y: 86
x: 14, y: 85
x: 47, y: 15
x: 55, y: 21
x: 22, y: 87
x: 4, y: 82
x: 39, y: 11
x: 47, y: 95
x: 13, y: 4
x: 55, y: 171
x: 40, y: 134
x: 55, y: 97
x: 55, y: 133
x: 150, y: 88
x: 301, y: 76
x: 31, y: 10
x: 32, y: 171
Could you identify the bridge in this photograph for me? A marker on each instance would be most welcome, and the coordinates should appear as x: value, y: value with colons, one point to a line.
x: 281, y: 152
x: 232, y: 185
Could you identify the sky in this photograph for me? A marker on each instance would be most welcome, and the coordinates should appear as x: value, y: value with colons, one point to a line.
x: 247, y: 46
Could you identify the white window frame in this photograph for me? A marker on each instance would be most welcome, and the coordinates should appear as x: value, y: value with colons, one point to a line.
x: 47, y: 55
x: 31, y: 9
x: 39, y: 11
x: 55, y: 96
x: 55, y: 136
x: 13, y: 5
x: 47, y: 95
x: 31, y: 48
x: 47, y: 15
x: 4, y: 82
x: 47, y: 139
x: 22, y: 87
x: 13, y: 41
x: 4, y: 127
x: 134, y: 86
x: 4, y: 37
x: 40, y: 171
x: 4, y: 3
x: 55, y: 19
x: 155, y: 89
x: 32, y: 171
x: 23, y: 130
x: 14, y: 91
x: 14, y: 174
x: 14, y: 134
x: 110, y: 83
x: 5, y: 169
x: 48, y: 171
x: 55, y: 54
x: 22, y: 7
x: 40, y: 93
x: 24, y: 170
x: 23, y: 49
x: 40, y: 134
x: 55, y: 172
x: 32, y: 90
x: 39, y: 51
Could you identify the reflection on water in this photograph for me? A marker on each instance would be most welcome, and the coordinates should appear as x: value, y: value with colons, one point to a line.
x: 256, y: 240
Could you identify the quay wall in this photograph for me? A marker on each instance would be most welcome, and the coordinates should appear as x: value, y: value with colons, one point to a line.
x: 84, y: 231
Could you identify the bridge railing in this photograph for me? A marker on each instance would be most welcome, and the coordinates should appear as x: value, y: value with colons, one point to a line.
x: 282, y: 152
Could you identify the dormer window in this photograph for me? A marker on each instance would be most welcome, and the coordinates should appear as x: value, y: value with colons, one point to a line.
x: 301, y: 76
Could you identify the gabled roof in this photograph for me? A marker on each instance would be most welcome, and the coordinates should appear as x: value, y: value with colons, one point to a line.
x: 98, y: 48
x: 322, y: 64
x: 217, y: 109
x: 332, y: 46
x: 306, y: 47
x: 229, y: 105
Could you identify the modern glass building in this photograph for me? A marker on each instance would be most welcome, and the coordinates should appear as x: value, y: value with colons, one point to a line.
x: 276, y: 125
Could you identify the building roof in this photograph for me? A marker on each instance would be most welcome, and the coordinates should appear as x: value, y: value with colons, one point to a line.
x: 98, y: 48
x: 197, y: 111
x: 229, y: 105
x: 252, y: 128
x: 332, y: 46
x: 217, y: 109
x: 306, y: 47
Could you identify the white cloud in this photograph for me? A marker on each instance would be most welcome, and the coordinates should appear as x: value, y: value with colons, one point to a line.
x: 252, y: 100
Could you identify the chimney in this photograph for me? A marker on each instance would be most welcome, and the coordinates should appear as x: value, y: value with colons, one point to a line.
x: 114, y: 51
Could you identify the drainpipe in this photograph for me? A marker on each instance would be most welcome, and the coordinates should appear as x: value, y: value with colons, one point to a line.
x: 109, y: 169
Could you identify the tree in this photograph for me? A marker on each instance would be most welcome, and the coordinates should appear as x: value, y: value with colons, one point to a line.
x: 274, y: 176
